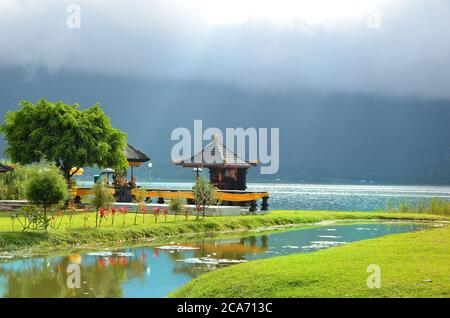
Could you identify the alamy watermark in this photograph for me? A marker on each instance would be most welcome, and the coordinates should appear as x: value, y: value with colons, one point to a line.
x: 73, y: 276
x: 374, y: 20
x: 374, y: 279
x: 250, y: 144
x: 73, y: 20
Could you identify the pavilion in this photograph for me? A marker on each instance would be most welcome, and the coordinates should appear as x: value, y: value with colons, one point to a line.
x: 135, y: 157
x: 227, y: 171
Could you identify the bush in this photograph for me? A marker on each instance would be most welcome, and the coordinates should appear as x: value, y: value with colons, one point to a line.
x: 13, y: 183
x: 176, y: 206
x: 102, y: 198
x: 204, y: 196
x: 46, y: 187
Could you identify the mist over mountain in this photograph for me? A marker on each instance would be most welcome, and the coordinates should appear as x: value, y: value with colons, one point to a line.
x: 324, y: 137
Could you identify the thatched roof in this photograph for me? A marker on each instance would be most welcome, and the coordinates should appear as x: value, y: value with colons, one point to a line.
x: 216, y: 154
x: 4, y: 168
x: 135, y: 155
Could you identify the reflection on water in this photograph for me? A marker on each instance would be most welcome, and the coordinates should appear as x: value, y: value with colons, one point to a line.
x: 155, y: 272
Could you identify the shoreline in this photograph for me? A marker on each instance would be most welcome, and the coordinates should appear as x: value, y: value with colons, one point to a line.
x: 339, y: 272
x: 118, y: 236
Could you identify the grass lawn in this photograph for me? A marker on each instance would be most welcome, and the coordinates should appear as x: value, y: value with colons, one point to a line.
x: 412, y: 265
x: 64, y: 235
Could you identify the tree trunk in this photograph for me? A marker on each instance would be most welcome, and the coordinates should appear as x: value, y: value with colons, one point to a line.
x: 65, y: 168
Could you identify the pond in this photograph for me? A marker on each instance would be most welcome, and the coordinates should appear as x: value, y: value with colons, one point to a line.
x: 155, y: 271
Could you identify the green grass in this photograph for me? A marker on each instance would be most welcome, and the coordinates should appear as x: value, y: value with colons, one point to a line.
x: 407, y: 262
x: 78, y: 234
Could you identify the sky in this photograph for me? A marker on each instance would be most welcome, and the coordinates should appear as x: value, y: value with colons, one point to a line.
x: 398, y: 48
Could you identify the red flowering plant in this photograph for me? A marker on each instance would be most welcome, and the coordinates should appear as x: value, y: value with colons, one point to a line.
x: 52, y: 221
x: 113, y: 215
x: 165, y: 212
x: 56, y: 219
x: 198, y: 208
x: 59, y: 215
x: 144, y: 212
x: 124, y: 211
x: 103, y: 215
x: 156, y: 212
x: 139, y: 198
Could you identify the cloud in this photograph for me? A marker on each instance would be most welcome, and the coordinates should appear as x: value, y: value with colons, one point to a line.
x: 395, y: 48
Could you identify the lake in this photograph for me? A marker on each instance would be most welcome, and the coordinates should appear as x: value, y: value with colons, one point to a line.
x: 331, y: 197
x: 155, y: 271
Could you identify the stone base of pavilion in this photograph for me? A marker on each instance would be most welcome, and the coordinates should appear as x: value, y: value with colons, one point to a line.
x: 210, y: 211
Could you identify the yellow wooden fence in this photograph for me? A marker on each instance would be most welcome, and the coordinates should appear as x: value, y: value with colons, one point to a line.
x: 186, y: 194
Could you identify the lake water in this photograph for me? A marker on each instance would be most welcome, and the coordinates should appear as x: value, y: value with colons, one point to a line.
x: 155, y: 271
x: 333, y: 197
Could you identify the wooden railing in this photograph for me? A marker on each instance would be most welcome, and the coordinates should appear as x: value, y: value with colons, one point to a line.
x: 164, y: 194
x: 235, y: 196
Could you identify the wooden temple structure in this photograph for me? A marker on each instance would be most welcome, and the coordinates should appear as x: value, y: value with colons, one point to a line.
x: 124, y: 188
x: 228, y: 174
x: 135, y: 157
x: 227, y: 171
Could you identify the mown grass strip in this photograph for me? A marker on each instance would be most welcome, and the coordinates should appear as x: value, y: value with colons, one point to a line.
x: 412, y: 265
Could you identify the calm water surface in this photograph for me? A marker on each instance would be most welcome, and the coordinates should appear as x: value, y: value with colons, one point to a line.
x: 297, y: 196
x: 156, y: 271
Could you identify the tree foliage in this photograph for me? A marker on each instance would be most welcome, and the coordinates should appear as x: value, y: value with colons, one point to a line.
x: 204, y: 195
x: 64, y: 134
x: 46, y: 187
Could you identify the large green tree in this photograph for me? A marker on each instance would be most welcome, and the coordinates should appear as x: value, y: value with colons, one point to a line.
x: 64, y: 134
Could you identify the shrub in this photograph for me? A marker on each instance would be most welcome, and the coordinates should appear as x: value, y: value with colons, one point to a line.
x: 176, y: 206
x: 46, y: 187
x: 102, y: 198
x: 204, y: 196
x: 139, y: 197
x: 13, y: 183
